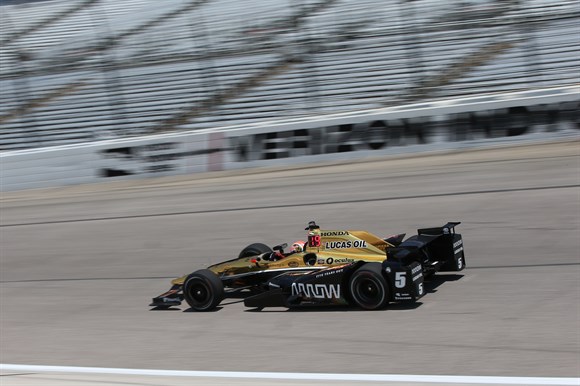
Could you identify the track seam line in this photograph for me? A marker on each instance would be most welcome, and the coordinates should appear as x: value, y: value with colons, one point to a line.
x: 112, y: 218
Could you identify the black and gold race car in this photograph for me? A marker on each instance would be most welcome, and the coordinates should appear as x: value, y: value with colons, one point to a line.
x: 332, y: 267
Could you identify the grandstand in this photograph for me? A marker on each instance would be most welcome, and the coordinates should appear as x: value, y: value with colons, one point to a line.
x: 75, y: 71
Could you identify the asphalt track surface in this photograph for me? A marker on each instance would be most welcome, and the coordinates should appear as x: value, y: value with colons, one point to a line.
x: 79, y: 266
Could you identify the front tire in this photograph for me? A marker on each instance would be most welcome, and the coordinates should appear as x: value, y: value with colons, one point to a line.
x: 203, y: 290
x: 368, y: 288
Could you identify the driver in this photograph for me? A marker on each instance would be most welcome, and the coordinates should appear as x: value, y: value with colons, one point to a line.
x: 297, y: 247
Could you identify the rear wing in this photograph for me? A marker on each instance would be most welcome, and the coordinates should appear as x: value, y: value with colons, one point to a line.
x: 447, y: 229
x: 436, y: 249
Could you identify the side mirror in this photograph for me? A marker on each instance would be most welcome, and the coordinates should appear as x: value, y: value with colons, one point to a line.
x: 280, y: 248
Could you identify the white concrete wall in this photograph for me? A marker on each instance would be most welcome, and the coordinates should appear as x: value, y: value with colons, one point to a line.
x: 413, y: 128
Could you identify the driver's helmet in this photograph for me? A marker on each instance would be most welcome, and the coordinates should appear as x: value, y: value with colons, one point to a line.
x: 298, y: 246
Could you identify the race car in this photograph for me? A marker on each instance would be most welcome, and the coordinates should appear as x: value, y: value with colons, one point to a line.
x: 349, y: 267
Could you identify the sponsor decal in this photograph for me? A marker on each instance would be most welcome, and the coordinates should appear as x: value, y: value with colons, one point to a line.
x: 320, y: 261
x: 417, y: 273
x: 345, y: 244
x: 293, y: 264
x: 317, y: 291
x: 458, y: 246
x: 385, y: 133
x: 403, y: 296
x: 344, y: 260
x: 329, y: 272
x: 149, y: 158
x: 334, y: 233
x: 342, y: 138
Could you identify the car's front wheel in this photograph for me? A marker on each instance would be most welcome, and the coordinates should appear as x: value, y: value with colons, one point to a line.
x: 203, y: 290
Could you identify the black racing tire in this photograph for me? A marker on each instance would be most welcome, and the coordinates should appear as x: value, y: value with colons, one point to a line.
x: 254, y: 249
x: 368, y: 289
x: 203, y: 290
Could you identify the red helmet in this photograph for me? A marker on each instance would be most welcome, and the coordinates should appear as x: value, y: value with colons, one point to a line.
x: 298, y: 246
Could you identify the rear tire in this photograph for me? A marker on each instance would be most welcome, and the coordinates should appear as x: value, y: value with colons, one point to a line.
x: 203, y: 290
x: 254, y: 249
x: 368, y: 288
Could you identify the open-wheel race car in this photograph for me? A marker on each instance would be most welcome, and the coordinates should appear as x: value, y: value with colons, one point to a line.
x: 332, y: 267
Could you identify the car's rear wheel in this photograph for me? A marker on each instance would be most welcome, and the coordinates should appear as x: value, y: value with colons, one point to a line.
x: 254, y: 249
x: 203, y: 290
x: 368, y: 288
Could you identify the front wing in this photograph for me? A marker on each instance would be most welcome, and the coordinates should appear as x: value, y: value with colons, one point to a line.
x: 173, y: 297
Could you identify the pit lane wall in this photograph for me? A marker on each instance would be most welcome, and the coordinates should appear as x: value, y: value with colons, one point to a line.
x: 445, y: 124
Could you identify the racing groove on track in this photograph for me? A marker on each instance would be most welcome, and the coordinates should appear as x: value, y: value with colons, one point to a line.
x: 75, y: 291
x: 280, y: 206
